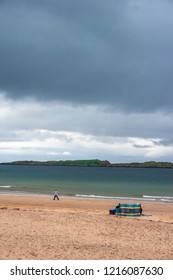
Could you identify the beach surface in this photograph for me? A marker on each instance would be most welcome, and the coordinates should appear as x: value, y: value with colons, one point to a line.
x: 39, y: 228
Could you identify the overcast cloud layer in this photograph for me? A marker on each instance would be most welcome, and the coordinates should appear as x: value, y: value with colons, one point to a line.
x: 86, y: 79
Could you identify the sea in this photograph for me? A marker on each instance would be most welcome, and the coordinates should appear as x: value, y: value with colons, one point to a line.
x: 142, y: 184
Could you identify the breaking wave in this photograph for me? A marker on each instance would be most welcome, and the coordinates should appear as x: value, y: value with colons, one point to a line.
x: 160, y: 198
x: 168, y: 199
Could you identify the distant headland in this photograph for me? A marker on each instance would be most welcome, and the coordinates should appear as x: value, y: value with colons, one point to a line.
x: 92, y: 162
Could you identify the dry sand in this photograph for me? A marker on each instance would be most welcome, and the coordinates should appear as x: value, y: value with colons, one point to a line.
x: 39, y: 228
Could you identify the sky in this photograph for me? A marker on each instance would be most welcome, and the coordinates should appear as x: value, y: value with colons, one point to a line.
x: 86, y: 79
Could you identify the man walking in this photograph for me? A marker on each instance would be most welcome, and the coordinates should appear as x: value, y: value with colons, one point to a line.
x: 56, y: 195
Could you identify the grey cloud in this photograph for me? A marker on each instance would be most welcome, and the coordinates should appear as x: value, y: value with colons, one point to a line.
x: 167, y: 142
x: 142, y: 146
x: 16, y: 116
x: 88, y: 52
x: 35, y: 130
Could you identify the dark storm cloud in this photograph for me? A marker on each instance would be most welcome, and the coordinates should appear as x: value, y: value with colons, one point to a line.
x: 92, y: 52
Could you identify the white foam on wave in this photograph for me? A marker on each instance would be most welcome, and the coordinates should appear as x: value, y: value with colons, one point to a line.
x: 114, y: 197
x: 167, y: 200
x: 159, y: 197
x: 5, y: 187
x: 94, y: 196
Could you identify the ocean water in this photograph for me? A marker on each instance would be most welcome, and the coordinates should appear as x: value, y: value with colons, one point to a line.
x: 153, y: 184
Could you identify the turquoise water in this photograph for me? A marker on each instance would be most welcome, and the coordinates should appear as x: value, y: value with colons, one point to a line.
x: 143, y: 183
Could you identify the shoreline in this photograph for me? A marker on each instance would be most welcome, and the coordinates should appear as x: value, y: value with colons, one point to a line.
x: 72, y: 228
x: 45, y: 202
x: 144, y: 199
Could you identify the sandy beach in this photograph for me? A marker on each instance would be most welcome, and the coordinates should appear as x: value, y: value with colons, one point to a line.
x: 38, y: 228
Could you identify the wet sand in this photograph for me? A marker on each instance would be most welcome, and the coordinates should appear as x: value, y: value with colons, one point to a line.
x: 38, y: 228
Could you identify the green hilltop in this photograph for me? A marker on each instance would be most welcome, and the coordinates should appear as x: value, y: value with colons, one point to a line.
x: 93, y: 162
